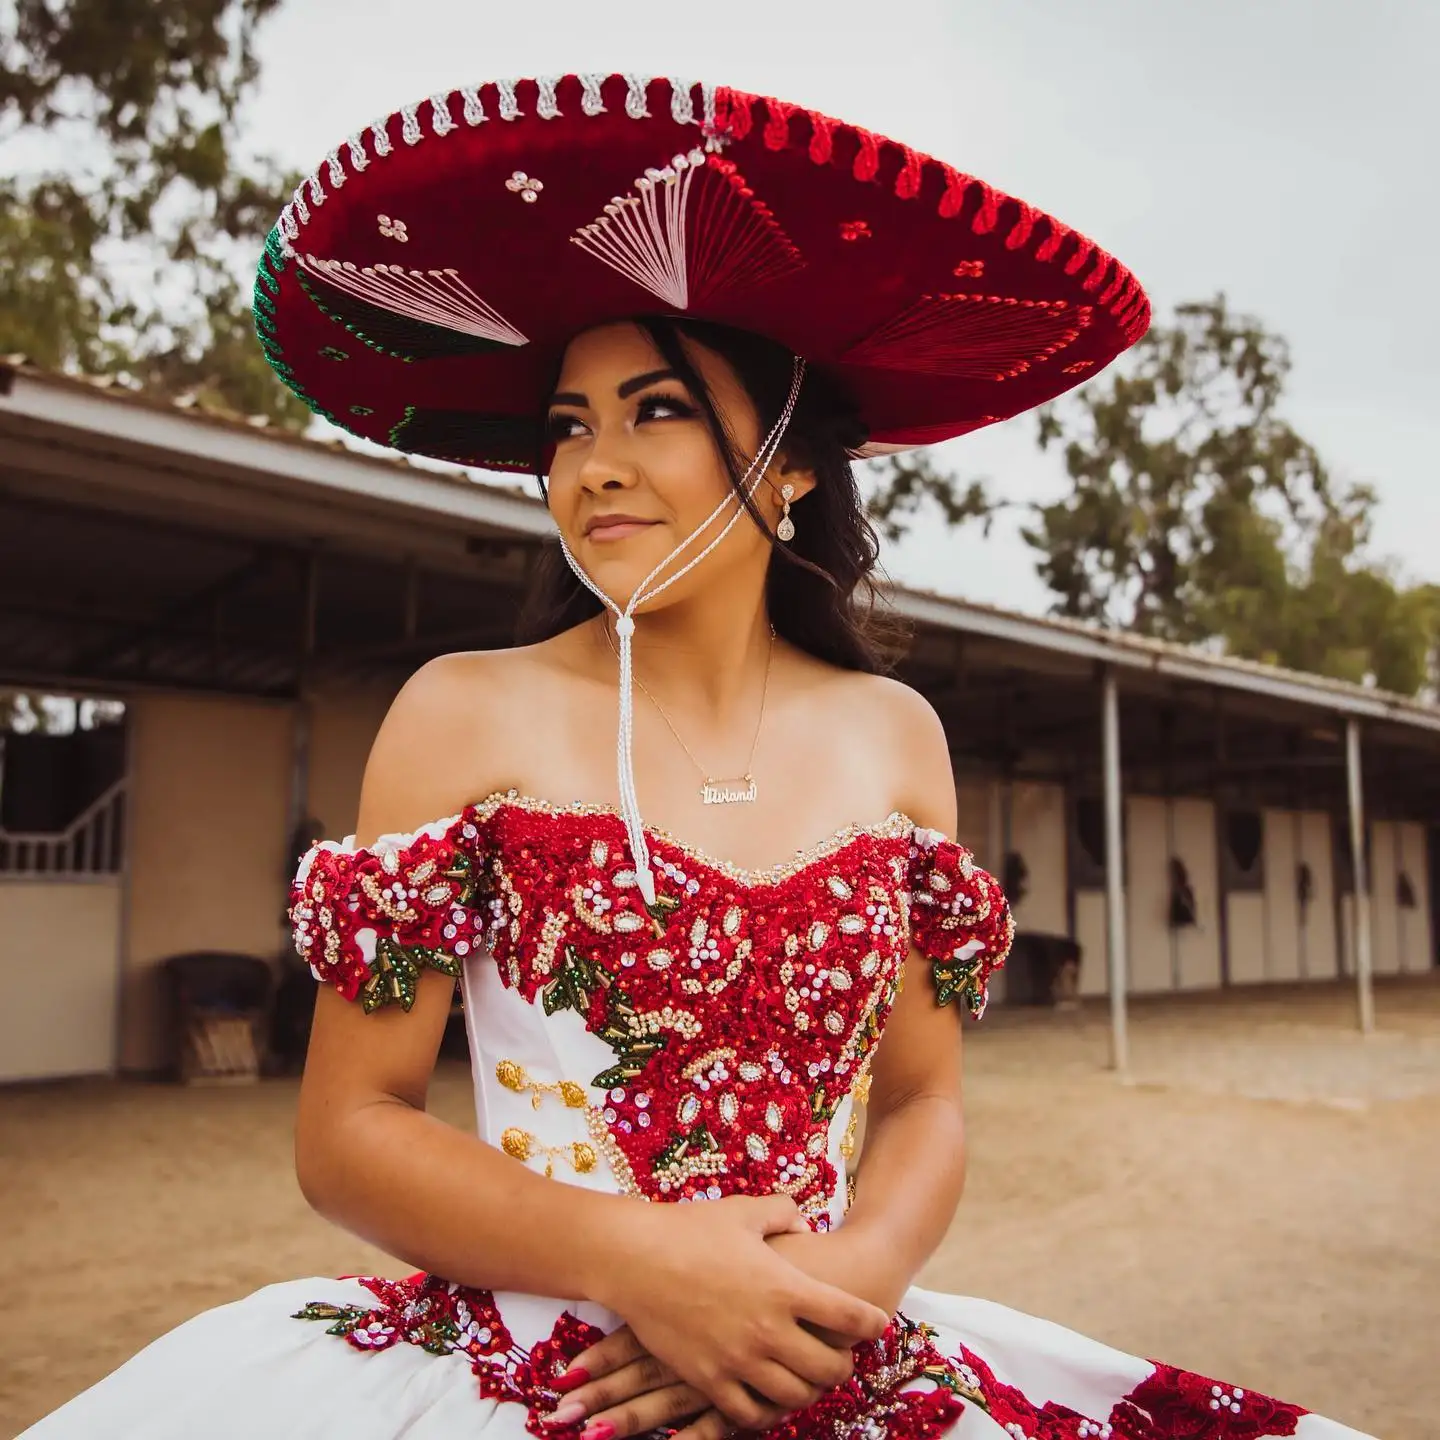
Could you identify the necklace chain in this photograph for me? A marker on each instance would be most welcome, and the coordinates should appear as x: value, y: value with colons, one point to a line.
x: 713, y: 791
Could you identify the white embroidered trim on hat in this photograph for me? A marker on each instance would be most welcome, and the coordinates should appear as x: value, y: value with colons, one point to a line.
x: 474, y: 110
x: 645, y: 235
x: 507, y: 103
x: 442, y: 121
x: 434, y: 297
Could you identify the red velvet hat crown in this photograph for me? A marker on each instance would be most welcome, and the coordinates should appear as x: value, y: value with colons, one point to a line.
x: 421, y: 286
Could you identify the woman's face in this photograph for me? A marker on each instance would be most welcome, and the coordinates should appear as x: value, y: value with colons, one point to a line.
x: 636, y: 471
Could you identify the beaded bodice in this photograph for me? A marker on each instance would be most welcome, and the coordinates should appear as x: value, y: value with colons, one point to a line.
x: 714, y: 1042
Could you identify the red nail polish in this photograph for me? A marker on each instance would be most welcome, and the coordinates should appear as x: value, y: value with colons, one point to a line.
x: 598, y: 1430
x: 572, y: 1379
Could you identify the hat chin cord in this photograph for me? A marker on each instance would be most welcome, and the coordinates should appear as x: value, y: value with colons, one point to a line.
x: 625, y: 628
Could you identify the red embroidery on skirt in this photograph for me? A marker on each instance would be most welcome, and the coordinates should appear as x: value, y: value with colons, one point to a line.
x: 1178, y: 1405
x: 1170, y: 1404
x: 448, y: 1319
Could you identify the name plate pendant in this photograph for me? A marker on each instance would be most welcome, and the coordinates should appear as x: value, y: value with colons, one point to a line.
x: 729, y: 792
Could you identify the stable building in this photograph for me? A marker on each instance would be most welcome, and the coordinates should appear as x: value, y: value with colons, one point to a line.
x: 253, y: 601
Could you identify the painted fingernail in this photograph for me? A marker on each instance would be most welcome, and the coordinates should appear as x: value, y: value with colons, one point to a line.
x: 567, y: 1412
x: 598, y: 1430
x: 572, y: 1378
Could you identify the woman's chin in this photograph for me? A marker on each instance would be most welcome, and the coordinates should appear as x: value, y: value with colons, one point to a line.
x: 621, y: 567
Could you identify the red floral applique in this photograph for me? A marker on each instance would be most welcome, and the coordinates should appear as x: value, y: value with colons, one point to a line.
x: 1170, y: 1404
x: 872, y: 1404
x: 369, y: 921
x: 960, y: 919
x: 1014, y: 1412
x: 1178, y: 1405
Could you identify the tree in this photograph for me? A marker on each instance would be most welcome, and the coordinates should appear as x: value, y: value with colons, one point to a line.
x: 902, y: 485
x: 129, y: 256
x: 1196, y: 512
x: 1162, y: 455
x: 1333, y: 612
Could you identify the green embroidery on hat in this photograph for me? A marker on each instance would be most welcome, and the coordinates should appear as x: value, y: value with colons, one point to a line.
x: 362, y: 409
x: 268, y: 272
x: 331, y: 314
x: 398, y: 428
x: 389, y: 332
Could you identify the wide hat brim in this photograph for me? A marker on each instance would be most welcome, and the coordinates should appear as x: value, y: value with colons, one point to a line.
x: 421, y: 286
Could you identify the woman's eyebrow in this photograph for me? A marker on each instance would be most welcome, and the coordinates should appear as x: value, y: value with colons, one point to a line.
x: 624, y: 390
x: 639, y: 382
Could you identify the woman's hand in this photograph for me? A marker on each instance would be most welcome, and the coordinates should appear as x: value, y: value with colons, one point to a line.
x: 721, y: 1319
x: 619, y: 1389
x: 624, y: 1390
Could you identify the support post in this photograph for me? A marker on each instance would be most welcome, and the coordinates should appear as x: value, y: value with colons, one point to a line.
x: 1360, y: 927
x: 300, y: 741
x: 1116, y: 955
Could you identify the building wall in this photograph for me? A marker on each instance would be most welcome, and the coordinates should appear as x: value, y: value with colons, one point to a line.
x: 1416, y: 935
x: 343, y: 724
x: 977, y: 818
x: 1037, y: 832
x: 1400, y: 936
x: 209, y: 803
x: 1162, y: 957
x: 59, y: 1014
x: 1092, y: 932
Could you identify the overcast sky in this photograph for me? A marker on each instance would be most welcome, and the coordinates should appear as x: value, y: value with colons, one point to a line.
x: 1283, y: 151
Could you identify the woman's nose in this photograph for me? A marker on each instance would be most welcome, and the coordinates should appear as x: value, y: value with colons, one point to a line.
x: 606, y: 467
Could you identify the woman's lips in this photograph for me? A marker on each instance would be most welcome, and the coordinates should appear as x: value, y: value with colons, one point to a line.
x: 608, y: 530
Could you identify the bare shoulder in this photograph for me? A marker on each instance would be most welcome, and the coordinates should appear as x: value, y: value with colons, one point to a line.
x: 446, y: 739
x: 896, y: 722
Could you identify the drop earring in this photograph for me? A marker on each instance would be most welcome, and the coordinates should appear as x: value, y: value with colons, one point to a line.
x: 785, y: 530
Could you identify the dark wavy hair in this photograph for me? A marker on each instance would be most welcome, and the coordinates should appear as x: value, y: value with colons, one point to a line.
x: 821, y: 591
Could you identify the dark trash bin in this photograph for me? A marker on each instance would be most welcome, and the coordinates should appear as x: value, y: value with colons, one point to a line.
x: 219, y: 1009
x: 1042, y: 970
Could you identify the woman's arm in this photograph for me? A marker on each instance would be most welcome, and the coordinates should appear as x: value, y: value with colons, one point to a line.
x: 913, y: 1169
x: 367, y: 1155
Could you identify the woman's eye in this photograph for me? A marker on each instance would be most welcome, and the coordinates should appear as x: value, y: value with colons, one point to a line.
x: 562, y: 427
x: 664, y: 407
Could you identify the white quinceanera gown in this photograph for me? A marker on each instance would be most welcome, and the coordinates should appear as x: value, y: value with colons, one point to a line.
x: 714, y: 1044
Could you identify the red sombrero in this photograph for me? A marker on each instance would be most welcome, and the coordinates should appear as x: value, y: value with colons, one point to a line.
x: 421, y: 285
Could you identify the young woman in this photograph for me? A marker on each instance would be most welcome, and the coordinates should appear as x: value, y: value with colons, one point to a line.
x: 682, y: 935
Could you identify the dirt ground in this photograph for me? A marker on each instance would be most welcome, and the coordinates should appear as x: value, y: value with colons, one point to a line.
x: 1259, y: 1200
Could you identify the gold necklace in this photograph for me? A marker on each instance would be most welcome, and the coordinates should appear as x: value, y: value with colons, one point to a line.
x: 713, y: 791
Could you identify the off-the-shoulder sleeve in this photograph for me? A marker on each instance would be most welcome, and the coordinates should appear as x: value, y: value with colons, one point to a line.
x: 959, y: 918
x: 368, y: 921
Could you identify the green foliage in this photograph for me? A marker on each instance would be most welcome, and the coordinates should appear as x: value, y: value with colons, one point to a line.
x: 902, y: 485
x: 129, y: 255
x: 1176, y: 441
x: 1195, y: 512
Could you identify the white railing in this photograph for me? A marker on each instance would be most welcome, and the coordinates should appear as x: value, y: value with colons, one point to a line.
x: 92, y: 845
